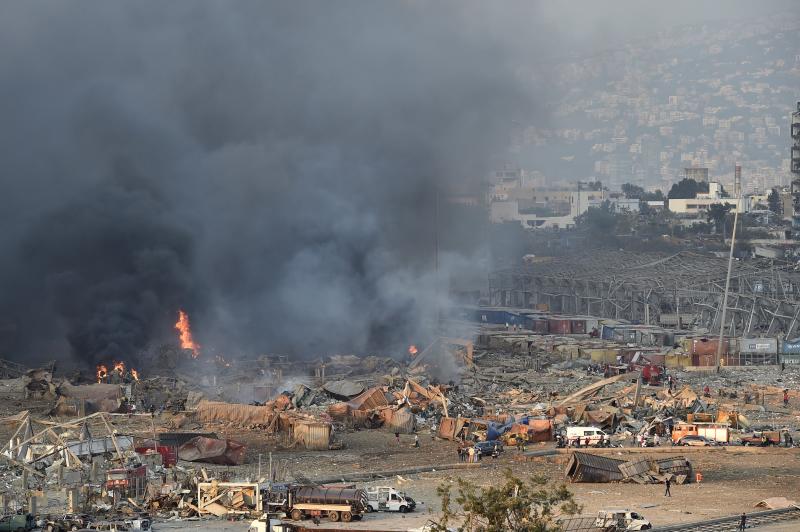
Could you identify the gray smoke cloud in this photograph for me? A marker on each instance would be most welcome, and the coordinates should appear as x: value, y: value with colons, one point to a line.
x: 271, y: 167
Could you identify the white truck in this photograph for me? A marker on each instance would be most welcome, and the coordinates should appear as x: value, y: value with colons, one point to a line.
x: 619, y: 519
x: 265, y: 523
x: 594, y: 434
x: 386, y: 499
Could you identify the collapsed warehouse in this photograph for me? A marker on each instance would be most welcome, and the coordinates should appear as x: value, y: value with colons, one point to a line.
x: 682, y: 290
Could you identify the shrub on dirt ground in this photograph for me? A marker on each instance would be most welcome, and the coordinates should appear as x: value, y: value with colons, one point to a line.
x: 513, y: 504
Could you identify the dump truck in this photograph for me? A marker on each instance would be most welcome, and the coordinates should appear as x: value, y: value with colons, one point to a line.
x: 335, y: 503
x: 386, y: 499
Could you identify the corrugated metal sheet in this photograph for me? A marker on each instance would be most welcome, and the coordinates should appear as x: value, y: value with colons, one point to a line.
x: 758, y: 345
x: 607, y: 332
x: 95, y: 446
x: 402, y: 421
x: 584, y: 467
x: 213, y: 411
x: 312, y: 435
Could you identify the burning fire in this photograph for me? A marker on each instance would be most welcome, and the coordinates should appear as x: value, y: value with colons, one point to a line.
x: 119, y: 369
x: 187, y: 342
x: 412, y: 350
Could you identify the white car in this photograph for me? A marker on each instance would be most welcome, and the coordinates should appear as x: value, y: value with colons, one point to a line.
x: 619, y: 519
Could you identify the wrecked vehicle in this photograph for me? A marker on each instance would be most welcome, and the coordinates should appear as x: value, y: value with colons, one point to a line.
x: 17, y: 522
x: 386, y: 499
x: 764, y: 438
x: 618, y: 519
x: 696, y: 441
x: 299, y: 502
x: 63, y: 522
x: 487, y: 448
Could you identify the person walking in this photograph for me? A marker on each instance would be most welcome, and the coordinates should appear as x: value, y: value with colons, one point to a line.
x: 416, y: 441
x: 785, y: 398
x: 667, y: 484
x: 743, y: 521
x: 397, y: 438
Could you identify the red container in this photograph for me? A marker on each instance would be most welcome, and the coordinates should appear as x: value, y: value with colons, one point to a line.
x: 578, y: 326
x: 708, y: 346
x: 169, y: 455
x: 557, y: 326
x: 540, y: 326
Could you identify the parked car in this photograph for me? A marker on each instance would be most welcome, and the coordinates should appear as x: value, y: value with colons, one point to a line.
x: 486, y: 448
x: 696, y: 441
x: 618, y: 519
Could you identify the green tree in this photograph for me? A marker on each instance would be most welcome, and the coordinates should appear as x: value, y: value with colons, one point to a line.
x: 513, y: 505
x: 717, y: 214
x: 774, y: 201
x: 599, y: 221
x: 632, y: 191
x: 653, y: 196
x: 686, y: 189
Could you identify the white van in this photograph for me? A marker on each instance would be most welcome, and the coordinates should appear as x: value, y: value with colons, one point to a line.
x: 594, y: 434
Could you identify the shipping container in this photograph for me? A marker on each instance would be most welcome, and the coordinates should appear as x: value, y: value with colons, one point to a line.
x: 607, y: 332
x: 708, y: 346
x: 790, y: 359
x: 540, y: 326
x: 790, y: 347
x: 312, y: 435
x: 767, y: 346
x: 402, y: 421
x: 559, y: 326
x: 578, y: 326
x: 676, y: 360
x: 703, y: 360
x: 602, y: 356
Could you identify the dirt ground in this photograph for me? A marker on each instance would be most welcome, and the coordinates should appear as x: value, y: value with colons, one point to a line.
x: 734, y: 479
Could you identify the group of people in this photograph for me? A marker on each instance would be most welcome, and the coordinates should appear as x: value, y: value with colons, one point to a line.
x: 468, y: 454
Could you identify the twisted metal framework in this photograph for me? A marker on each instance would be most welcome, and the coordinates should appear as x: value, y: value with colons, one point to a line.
x: 764, y: 296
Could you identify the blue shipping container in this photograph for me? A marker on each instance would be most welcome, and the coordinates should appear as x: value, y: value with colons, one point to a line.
x: 791, y: 347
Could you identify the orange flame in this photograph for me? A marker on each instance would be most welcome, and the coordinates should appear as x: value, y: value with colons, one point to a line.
x: 412, y: 350
x: 119, y: 367
x: 134, y: 374
x: 187, y: 342
x: 102, y: 372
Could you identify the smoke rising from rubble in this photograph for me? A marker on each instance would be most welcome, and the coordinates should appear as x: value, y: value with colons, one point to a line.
x: 270, y: 168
